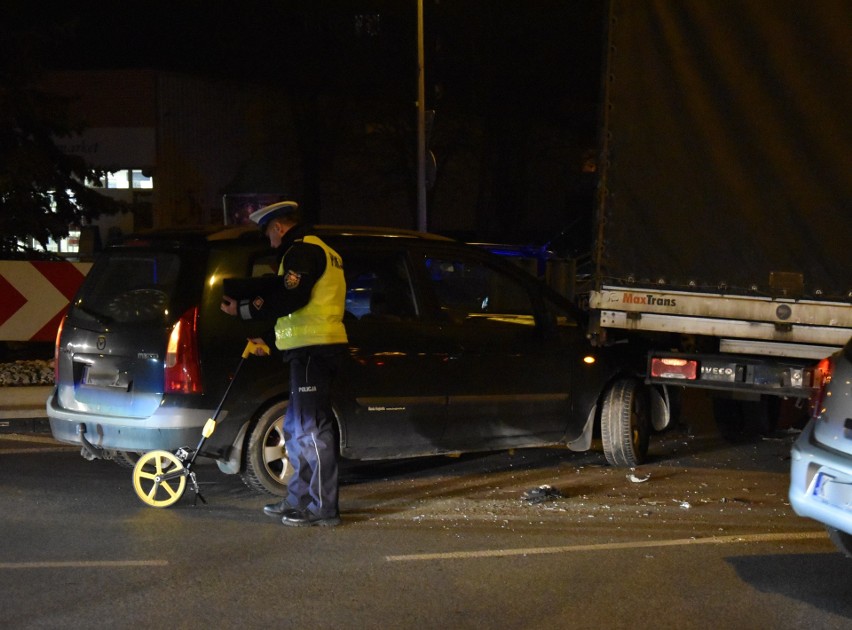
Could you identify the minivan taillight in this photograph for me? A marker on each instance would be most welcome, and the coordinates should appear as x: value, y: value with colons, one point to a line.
x: 183, y: 370
x: 822, y: 377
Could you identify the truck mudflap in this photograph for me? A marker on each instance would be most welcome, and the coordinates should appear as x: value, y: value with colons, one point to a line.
x: 735, y: 373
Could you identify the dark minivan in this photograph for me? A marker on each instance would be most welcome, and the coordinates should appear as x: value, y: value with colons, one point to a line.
x: 451, y: 349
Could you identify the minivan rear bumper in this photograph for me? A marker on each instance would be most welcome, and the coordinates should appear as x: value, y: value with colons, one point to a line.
x: 820, y: 482
x: 169, y: 428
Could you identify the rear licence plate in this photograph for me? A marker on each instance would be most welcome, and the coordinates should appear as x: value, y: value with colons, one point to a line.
x: 101, y: 379
x: 826, y: 488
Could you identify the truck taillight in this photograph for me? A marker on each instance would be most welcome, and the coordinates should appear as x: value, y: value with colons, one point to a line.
x: 183, y: 370
x: 822, y: 377
x: 670, y: 367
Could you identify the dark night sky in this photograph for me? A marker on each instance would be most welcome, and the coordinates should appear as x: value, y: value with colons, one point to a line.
x: 543, y: 50
x: 500, y: 68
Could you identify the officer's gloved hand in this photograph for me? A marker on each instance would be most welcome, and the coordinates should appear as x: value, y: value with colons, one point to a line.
x: 256, y: 347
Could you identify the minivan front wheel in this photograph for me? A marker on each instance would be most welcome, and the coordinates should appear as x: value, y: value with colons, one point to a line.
x: 267, y: 468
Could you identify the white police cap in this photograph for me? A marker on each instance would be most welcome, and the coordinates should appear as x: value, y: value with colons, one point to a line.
x: 280, y: 209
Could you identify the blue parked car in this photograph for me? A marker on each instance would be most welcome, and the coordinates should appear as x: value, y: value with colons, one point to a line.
x: 821, y: 470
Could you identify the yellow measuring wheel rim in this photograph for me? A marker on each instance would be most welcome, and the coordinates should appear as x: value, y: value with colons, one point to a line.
x: 159, y: 494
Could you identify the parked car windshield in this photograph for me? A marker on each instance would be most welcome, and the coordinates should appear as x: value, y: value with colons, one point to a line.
x: 129, y: 287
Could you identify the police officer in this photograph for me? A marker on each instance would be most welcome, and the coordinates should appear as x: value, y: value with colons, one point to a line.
x: 306, y: 300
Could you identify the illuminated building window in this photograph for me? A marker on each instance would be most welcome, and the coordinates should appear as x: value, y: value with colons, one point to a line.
x: 125, y: 179
x: 118, y: 179
x: 139, y: 180
x: 67, y: 245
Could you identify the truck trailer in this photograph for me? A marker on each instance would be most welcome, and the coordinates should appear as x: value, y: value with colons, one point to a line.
x: 723, y: 232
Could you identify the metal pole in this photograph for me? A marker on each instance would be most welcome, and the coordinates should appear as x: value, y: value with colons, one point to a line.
x: 421, y: 125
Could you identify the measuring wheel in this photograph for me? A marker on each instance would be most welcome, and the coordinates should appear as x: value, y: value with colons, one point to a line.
x: 159, y: 478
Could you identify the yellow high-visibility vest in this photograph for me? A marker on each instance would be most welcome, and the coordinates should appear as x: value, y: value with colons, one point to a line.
x: 320, y: 322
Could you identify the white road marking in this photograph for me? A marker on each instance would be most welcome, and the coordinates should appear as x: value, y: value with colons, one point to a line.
x: 84, y: 564
x: 55, y: 447
x: 38, y: 439
x: 33, y: 451
x: 645, y: 544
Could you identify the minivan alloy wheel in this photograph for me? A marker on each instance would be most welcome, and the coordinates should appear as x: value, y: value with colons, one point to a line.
x: 267, y: 467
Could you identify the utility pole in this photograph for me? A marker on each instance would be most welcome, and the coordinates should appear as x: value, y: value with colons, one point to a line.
x: 422, y: 223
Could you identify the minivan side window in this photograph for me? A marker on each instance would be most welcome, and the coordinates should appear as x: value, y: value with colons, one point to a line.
x: 469, y: 289
x: 378, y: 286
x: 264, y: 265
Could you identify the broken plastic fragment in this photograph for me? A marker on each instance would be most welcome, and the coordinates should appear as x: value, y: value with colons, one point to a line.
x: 636, y: 479
x: 541, y: 494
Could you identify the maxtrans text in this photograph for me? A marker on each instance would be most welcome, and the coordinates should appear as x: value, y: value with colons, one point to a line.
x: 651, y: 300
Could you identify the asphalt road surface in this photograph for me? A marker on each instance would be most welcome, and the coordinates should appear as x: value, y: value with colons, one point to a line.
x: 700, y: 537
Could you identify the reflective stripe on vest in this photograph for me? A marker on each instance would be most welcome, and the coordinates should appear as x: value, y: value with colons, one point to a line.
x: 320, y: 322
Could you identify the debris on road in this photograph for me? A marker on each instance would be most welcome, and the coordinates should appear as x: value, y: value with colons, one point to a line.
x: 636, y: 479
x: 541, y: 494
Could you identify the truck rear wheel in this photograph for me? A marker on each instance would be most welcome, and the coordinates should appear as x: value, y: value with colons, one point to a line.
x: 267, y: 467
x: 625, y: 423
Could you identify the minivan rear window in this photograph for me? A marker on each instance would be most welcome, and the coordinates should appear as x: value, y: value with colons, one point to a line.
x: 129, y: 287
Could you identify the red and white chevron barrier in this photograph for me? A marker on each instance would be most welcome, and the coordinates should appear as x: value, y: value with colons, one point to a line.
x: 34, y: 296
